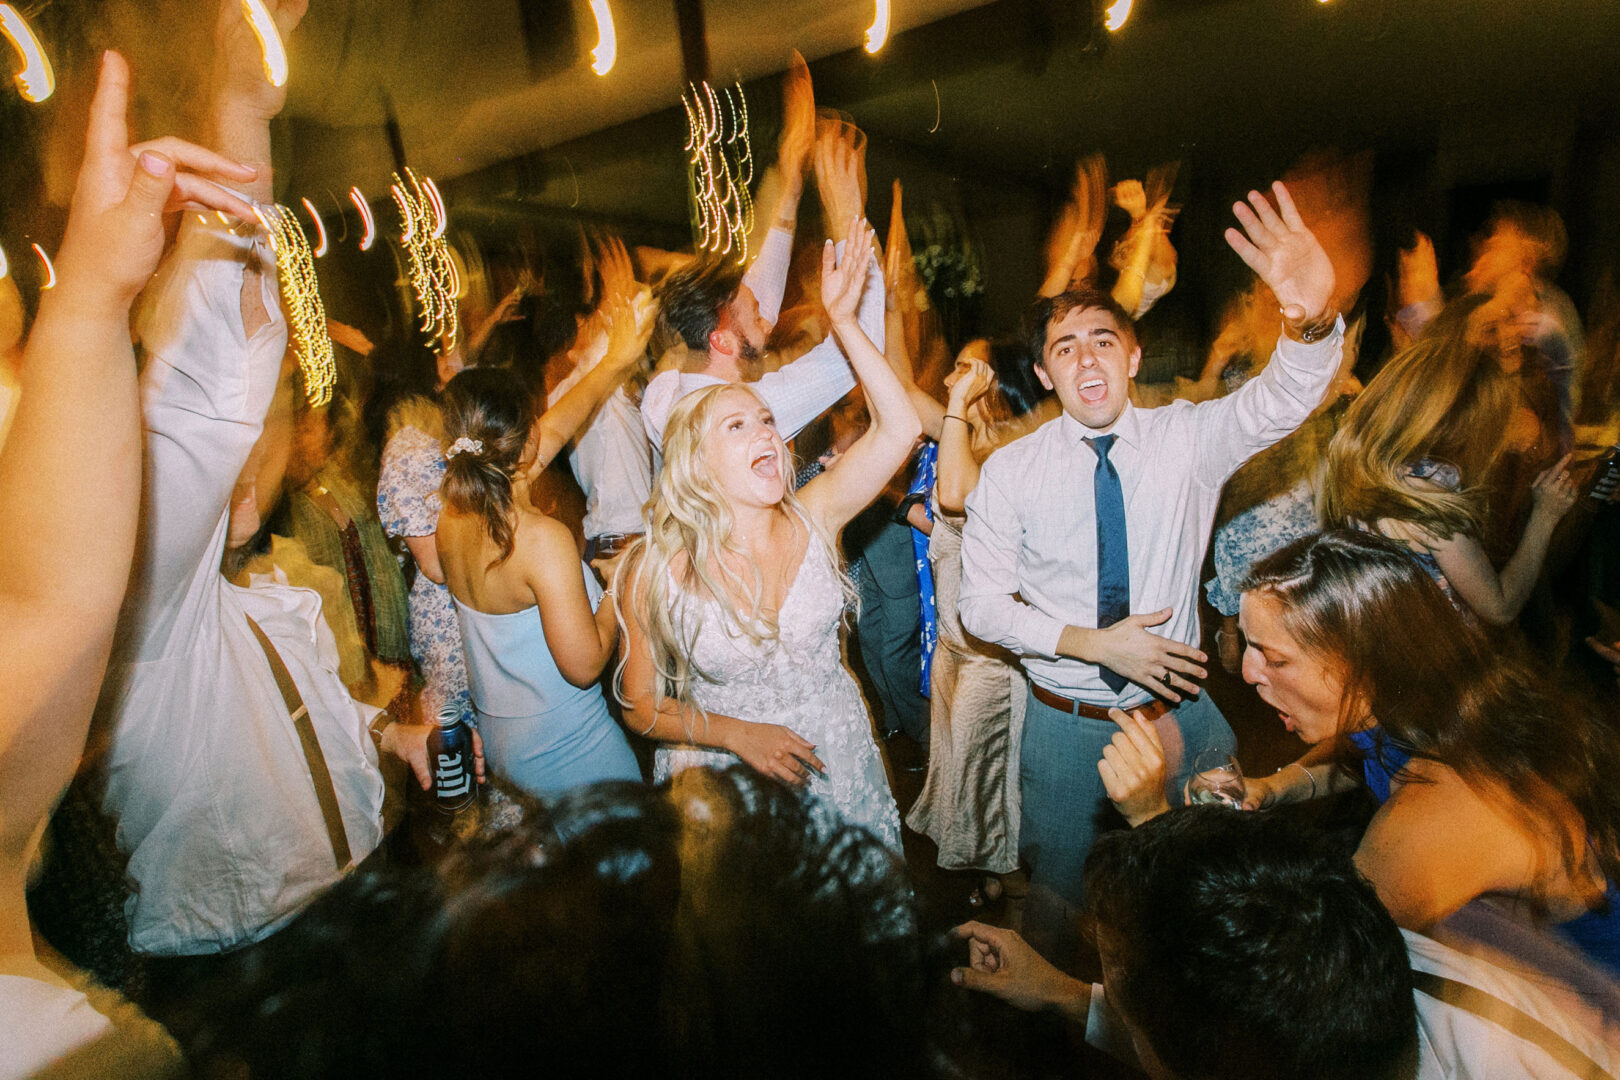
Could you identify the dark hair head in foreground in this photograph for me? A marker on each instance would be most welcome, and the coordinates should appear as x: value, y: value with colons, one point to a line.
x: 1241, y: 945
x: 715, y: 925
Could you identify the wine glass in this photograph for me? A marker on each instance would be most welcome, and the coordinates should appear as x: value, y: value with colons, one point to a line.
x: 1216, y: 778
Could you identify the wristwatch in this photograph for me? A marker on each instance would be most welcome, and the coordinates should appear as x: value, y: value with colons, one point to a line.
x: 378, y: 726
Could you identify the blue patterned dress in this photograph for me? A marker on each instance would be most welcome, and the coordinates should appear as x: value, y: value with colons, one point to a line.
x: 922, y: 483
x: 408, y: 505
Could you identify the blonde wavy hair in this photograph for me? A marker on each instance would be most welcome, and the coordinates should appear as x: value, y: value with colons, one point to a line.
x: 690, y: 518
x: 1445, y: 398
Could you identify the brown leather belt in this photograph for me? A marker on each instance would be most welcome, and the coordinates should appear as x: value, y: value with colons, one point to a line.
x: 1152, y: 710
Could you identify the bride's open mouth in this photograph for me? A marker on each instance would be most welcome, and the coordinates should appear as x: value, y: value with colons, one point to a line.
x: 764, y: 465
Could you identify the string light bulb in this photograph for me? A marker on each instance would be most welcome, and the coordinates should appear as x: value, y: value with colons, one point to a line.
x: 1117, y: 14
x: 270, y: 43
x: 37, y: 80
x: 5, y: 267
x: 434, y: 277
x: 719, y: 168
x: 301, y: 299
x: 607, y: 39
x: 369, y: 237
x: 878, y: 32
x: 320, y: 229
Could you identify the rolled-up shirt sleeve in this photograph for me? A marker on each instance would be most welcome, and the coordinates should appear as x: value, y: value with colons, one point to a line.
x: 205, y: 389
x: 1235, y: 428
x: 988, y: 604
x: 767, y: 274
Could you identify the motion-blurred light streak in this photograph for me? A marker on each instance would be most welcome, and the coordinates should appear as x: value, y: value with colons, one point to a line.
x: 433, y: 272
x: 878, y: 32
x: 320, y: 229
x: 719, y: 168
x: 1117, y: 14
x: 264, y: 28
x: 50, y: 271
x: 36, y: 81
x: 301, y: 297
x: 369, y: 237
x: 607, y: 39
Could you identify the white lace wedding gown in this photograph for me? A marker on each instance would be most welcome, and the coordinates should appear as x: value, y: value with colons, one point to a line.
x: 798, y: 681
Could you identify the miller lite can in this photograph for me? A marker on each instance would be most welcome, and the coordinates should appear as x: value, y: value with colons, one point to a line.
x: 450, y: 751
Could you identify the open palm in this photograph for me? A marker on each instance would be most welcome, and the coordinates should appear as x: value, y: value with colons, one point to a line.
x: 1284, y: 253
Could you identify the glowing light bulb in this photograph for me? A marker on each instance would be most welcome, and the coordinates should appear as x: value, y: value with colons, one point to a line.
x: 607, y: 40
x: 50, y: 271
x: 320, y: 229
x: 878, y: 32
x: 1117, y: 14
x: 264, y: 28
x: 36, y: 81
x: 360, y: 204
x: 5, y: 267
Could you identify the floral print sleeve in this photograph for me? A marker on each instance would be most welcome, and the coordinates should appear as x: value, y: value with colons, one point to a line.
x: 408, y: 484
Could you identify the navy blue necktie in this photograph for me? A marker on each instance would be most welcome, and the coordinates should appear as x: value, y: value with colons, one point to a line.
x: 1113, y: 558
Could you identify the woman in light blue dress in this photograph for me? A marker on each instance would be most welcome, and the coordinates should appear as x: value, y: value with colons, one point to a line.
x: 535, y: 630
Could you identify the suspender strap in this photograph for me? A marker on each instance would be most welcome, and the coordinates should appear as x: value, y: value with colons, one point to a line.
x: 325, y: 793
x: 1504, y: 1015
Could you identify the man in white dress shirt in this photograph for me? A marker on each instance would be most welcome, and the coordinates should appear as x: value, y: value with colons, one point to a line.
x: 209, y: 768
x: 1084, y: 540
x: 723, y: 321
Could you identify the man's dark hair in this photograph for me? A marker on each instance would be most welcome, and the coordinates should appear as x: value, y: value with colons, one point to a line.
x: 1247, y: 946
x: 692, y: 298
x: 1049, y: 309
x: 718, y: 924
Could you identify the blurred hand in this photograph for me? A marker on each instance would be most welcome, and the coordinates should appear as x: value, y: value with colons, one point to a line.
x: 1002, y: 964
x: 1260, y: 792
x: 1132, y: 768
x: 1131, y: 198
x: 629, y: 328
x: 114, y: 235
x: 239, y: 79
x: 1553, y: 492
x: 843, y: 281
x: 1418, y: 273
x: 798, y: 121
x: 1285, y: 254
x: 900, y: 268
x: 838, y: 181
x: 618, y: 273
x: 1608, y: 652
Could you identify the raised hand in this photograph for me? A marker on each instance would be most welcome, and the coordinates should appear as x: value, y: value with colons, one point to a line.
x: 798, y: 121
x: 1285, y: 254
x: 239, y: 79
x: 900, y: 269
x: 1130, y: 197
x: 843, y: 281
x: 1418, y: 272
x: 838, y: 180
x: 1147, y: 659
x: 618, y: 273
x: 114, y: 235
x: 630, y: 327
x: 1132, y: 768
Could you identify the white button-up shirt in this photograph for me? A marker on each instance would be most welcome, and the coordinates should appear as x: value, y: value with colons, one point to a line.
x: 206, y: 775
x: 1029, y: 548
x: 798, y: 392
x: 1455, y: 1043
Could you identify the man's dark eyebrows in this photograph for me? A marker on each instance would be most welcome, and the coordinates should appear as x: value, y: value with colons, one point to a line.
x: 1109, y: 330
x: 1061, y: 340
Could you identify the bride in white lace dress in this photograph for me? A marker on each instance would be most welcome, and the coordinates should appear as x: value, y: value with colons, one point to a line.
x: 732, y: 600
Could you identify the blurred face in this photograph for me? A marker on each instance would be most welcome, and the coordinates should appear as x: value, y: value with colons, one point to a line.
x: 744, y: 451
x: 1306, y: 692
x: 1505, y: 251
x: 1089, y: 363
x: 742, y: 320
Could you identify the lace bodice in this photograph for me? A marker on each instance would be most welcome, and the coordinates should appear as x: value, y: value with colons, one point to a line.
x: 797, y: 680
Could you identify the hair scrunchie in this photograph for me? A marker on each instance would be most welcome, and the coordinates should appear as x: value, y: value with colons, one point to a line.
x: 464, y: 445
